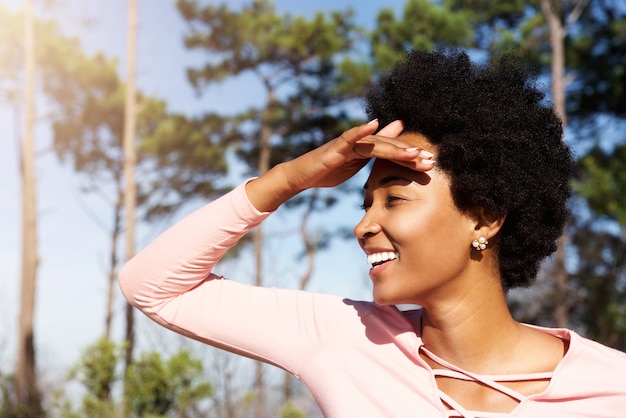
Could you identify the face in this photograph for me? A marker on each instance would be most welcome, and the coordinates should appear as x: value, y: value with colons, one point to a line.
x: 415, y: 238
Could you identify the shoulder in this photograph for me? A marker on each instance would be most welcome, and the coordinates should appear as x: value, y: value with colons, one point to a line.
x: 585, y: 350
x: 582, y: 349
x: 590, y: 370
x: 590, y: 378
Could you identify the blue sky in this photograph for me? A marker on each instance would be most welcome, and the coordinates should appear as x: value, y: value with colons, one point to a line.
x: 73, y: 248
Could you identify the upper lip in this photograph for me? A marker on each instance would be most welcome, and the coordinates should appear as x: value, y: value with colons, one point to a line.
x: 375, y: 250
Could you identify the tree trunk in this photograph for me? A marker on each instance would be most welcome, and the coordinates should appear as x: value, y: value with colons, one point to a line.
x: 262, y: 167
x: 115, y: 234
x: 310, y: 248
x: 28, y: 397
x: 259, y: 386
x: 557, y: 44
x: 130, y: 158
x: 557, y: 35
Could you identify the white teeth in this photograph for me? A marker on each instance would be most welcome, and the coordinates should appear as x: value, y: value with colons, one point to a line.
x: 380, y: 257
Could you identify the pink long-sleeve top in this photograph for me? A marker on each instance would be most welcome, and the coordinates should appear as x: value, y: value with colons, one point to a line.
x: 358, y: 359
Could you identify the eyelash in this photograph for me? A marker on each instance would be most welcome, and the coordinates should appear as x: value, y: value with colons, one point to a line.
x: 390, y: 199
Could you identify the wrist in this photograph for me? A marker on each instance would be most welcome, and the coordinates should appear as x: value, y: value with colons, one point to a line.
x: 272, y: 189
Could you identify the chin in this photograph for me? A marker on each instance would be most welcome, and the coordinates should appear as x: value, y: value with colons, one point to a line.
x: 384, y: 300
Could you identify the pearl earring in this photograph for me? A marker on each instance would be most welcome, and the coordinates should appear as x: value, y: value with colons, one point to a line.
x: 480, y: 243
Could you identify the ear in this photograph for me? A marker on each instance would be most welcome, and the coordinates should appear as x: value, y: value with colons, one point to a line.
x: 488, y: 223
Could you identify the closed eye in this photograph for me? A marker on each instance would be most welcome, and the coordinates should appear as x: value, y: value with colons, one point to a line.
x: 392, y: 199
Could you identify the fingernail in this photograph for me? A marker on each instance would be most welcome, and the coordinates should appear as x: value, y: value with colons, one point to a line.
x: 428, y: 161
x: 373, y: 121
x: 411, y: 149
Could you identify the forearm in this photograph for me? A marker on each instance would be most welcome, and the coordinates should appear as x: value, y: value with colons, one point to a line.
x: 184, y: 255
x: 272, y: 189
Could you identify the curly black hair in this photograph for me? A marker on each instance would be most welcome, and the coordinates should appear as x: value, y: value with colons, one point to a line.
x: 497, y: 139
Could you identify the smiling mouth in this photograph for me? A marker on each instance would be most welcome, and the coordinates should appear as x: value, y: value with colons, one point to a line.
x: 377, y: 259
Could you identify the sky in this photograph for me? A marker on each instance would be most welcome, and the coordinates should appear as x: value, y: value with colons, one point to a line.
x: 73, y: 247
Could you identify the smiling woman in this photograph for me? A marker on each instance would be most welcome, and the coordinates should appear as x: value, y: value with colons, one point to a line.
x: 412, y: 214
x: 467, y: 195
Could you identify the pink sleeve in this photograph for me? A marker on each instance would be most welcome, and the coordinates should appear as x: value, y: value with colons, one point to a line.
x: 171, y: 282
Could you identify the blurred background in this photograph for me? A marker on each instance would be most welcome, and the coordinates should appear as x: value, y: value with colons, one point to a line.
x: 118, y: 118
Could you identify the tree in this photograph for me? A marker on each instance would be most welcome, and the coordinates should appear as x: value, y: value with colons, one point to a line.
x: 130, y: 161
x: 423, y: 26
x: 597, y: 54
x: 601, y: 241
x: 87, y: 102
x: 96, y: 371
x: 601, y: 275
x: 558, y: 30
x: 159, y: 388
x: 153, y: 386
x: 298, y: 62
x: 28, y: 397
x: 26, y: 64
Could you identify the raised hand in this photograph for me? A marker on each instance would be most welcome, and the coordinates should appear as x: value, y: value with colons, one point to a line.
x: 335, y: 162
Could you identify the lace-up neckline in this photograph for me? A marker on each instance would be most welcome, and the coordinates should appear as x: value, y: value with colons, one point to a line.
x: 492, y: 381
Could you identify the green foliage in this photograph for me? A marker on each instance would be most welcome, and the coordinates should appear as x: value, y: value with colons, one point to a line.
x: 300, y: 63
x: 602, y: 182
x: 424, y: 25
x: 307, y: 67
x: 177, y: 159
x: 497, y: 25
x: 257, y: 36
x: 597, y: 54
x: 88, y: 121
x: 97, y: 372
x: 184, y: 160
x: 155, y: 387
x: 11, y: 56
x: 600, y: 279
x: 595, y: 46
x: 7, y: 395
x: 291, y: 410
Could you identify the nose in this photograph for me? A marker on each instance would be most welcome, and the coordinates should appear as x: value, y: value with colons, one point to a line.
x: 368, y: 226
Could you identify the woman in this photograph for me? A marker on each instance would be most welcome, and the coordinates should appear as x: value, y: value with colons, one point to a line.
x: 465, y: 198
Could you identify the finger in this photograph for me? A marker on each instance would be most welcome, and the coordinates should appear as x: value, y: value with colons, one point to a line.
x: 379, y: 139
x: 417, y: 164
x: 406, y: 155
x: 373, y: 147
x: 362, y: 131
x: 392, y: 130
x: 352, y: 135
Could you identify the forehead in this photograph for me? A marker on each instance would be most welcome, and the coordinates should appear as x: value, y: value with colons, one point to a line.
x: 385, y: 173
x: 417, y: 139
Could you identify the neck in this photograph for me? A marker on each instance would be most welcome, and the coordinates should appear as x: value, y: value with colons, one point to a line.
x: 475, y: 333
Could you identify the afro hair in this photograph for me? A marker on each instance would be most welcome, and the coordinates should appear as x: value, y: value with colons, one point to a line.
x: 497, y: 140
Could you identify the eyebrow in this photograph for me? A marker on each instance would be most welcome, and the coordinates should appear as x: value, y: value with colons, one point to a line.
x: 389, y: 179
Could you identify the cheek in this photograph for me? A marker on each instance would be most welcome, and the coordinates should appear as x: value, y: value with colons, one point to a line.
x: 442, y: 244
